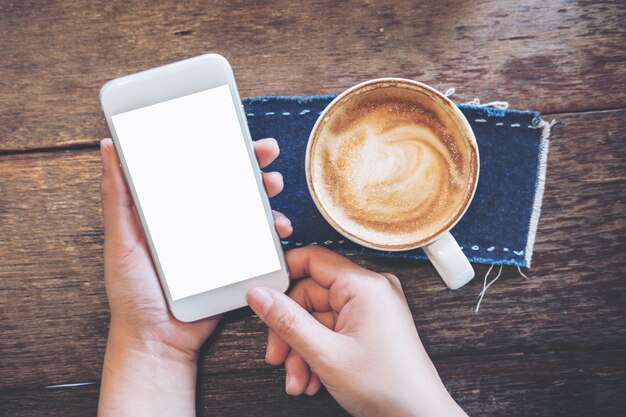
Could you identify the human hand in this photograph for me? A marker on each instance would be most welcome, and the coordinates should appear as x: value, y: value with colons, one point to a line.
x: 140, y: 320
x: 350, y: 329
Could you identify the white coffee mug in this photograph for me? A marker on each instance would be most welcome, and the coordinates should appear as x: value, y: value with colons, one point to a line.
x: 441, y: 249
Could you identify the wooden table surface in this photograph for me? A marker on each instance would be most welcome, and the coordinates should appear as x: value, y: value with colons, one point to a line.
x: 551, y: 345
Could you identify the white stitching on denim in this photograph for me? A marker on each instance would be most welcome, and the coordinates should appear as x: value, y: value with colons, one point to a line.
x: 474, y: 247
x: 305, y: 111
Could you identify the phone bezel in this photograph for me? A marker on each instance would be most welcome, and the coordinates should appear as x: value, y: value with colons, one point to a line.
x: 168, y: 82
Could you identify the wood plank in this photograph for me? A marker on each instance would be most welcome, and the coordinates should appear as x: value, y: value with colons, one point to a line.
x: 78, y: 401
x: 550, y: 56
x: 53, y: 306
x: 547, y: 384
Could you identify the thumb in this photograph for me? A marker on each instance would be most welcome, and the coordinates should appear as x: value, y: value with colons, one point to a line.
x: 120, y: 222
x: 299, y: 329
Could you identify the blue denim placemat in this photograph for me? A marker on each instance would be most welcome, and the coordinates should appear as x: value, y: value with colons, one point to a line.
x: 500, y: 224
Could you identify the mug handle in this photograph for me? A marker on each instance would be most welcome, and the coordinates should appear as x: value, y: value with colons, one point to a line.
x: 450, y: 261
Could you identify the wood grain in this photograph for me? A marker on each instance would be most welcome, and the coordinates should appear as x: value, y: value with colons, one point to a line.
x: 54, y: 311
x: 549, y: 384
x: 552, y: 345
x: 550, y: 56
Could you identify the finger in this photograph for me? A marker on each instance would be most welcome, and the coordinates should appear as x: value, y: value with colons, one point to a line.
x: 395, y: 283
x: 120, y: 220
x: 393, y: 280
x: 310, y: 295
x: 282, y: 224
x: 344, y: 279
x: 277, y: 350
x: 294, y: 325
x: 298, y: 374
x: 323, y: 265
x: 266, y: 151
x: 327, y: 318
x: 314, y: 384
x: 273, y: 182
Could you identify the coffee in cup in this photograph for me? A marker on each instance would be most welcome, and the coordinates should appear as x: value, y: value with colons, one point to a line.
x: 392, y: 164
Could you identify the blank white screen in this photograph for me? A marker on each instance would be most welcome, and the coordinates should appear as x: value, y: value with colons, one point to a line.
x: 196, y: 188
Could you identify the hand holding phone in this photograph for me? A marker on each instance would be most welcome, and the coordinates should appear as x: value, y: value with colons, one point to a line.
x: 185, y: 149
x: 136, y: 301
x: 142, y: 332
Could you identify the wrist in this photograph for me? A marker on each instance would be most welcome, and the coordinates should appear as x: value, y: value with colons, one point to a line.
x: 424, y: 395
x: 140, y: 376
x: 148, y: 343
x: 435, y: 400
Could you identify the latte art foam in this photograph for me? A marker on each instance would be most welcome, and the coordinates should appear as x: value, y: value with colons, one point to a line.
x: 390, y: 171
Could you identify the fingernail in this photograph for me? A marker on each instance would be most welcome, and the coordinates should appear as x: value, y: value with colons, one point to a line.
x: 104, y: 154
x: 278, y: 175
x: 286, y: 221
x: 287, y: 380
x: 277, y: 147
x: 260, y: 300
x: 267, y: 352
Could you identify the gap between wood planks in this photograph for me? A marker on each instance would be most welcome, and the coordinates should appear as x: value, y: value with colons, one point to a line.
x: 64, y: 387
x: 96, y: 145
x: 269, y: 370
x: 441, y: 358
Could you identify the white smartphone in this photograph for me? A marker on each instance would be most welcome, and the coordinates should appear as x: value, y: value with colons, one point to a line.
x: 182, y: 138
